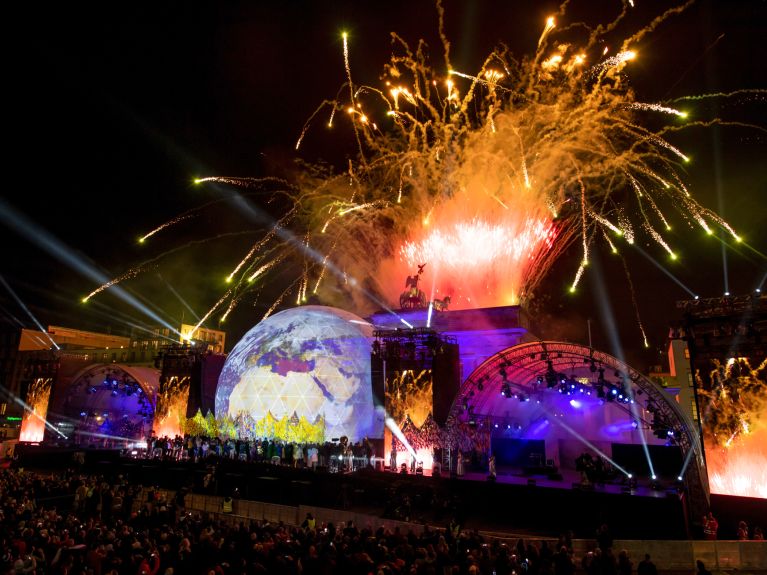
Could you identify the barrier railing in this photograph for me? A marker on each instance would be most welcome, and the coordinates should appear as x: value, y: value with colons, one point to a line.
x: 667, y: 555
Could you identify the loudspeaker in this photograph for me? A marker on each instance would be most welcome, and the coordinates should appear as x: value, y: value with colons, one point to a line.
x: 377, y: 379
x: 446, y: 379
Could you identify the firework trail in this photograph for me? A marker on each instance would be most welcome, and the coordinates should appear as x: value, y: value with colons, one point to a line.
x: 634, y: 302
x: 143, y: 266
x: 131, y: 273
x: 658, y: 108
x: 175, y: 220
x: 487, y: 175
x: 547, y: 143
x: 749, y: 94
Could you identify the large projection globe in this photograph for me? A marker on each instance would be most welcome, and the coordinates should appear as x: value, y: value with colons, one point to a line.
x: 309, y: 363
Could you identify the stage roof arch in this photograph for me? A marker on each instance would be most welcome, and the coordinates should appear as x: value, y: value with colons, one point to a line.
x: 527, y: 371
x: 148, y: 378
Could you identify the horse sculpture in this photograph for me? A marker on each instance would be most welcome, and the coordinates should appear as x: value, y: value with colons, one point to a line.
x: 441, y: 304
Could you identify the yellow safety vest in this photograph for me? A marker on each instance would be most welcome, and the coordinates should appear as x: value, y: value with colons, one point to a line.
x: 227, y: 505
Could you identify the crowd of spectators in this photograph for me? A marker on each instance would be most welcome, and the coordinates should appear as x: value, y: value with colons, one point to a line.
x: 70, y: 523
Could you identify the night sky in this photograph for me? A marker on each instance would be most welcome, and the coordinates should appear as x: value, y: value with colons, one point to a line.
x: 112, y: 109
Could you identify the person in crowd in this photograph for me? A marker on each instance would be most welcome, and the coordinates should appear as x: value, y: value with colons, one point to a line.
x: 604, y: 537
x: 624, y: 563
x: 742, y: 531
x: 309, y: 522
x: 710, y: 527
x: 563, y: 562
x: 646, y: 566
x: 702, y: 568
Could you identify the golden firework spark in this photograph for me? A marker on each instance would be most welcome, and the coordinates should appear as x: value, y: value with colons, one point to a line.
x: 488, y: 174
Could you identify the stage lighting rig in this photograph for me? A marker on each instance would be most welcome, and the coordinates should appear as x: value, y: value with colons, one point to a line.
x: 551, y: 375
x: 660, y: 427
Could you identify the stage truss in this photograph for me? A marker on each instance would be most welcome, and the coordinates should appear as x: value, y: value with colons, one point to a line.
x: 531, y: 369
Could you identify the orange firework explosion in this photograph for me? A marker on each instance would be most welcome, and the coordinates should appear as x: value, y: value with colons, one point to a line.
x: 735, y: 429
x: 486, y: 176
x: 33, y: 421
x: 171, y: 407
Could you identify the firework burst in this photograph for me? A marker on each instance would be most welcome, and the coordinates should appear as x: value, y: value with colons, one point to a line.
x: 486, y: 175
x: 735, y: 428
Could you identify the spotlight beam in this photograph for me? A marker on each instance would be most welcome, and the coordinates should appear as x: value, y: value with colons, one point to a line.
x: 64, y: 254
x: 27, y: 311
x: 612, y: 332
x: 635, y: 415
x: 687, y: 460
x: 106, y: 436
x: 394, y: 428
x: 586, y: 442
x: 181, y: 299
x: 31, y: 411
x: 663, y: 269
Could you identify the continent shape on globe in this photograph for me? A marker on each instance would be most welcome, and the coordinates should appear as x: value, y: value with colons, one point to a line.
x: 311, y: 362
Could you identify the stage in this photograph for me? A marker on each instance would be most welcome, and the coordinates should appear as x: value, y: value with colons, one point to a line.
x: 509, y: 504
x: 571, y: 479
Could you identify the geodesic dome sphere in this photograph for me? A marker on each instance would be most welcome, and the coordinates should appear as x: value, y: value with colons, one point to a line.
x: 312, y: 362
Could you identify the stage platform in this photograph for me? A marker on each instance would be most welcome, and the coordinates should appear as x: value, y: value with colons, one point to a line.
x: 547, y: 508
x: 571, y: 479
